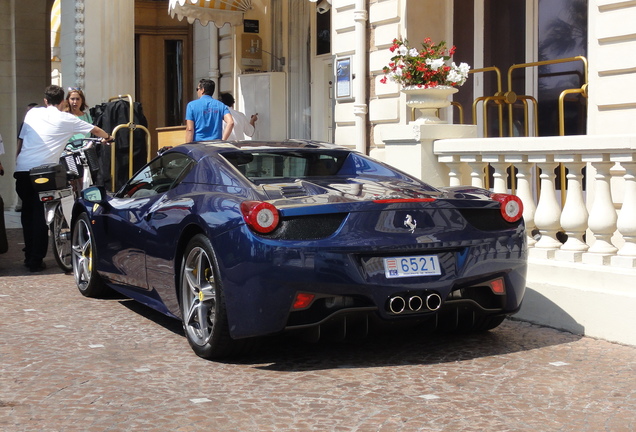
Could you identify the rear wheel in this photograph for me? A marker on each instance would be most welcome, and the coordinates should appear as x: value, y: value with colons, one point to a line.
x: 203, y: 303
x: 88, y: 281
x: 61, y: 239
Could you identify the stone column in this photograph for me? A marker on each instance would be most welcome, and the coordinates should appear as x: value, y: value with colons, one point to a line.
x: 547, y: 216
x: 98, y: 54
x: 524, y: 191
x: 574, y: 216
x: 626, y: 223
x: 602, y: 220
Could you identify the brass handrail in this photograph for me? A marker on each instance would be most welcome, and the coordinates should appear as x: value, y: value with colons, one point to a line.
x: 582, y: 90
x: 499, y: 92
x: 460, y: 108
x: 510, y: 98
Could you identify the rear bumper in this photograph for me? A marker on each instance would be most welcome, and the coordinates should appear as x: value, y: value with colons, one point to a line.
x: 260, y: 287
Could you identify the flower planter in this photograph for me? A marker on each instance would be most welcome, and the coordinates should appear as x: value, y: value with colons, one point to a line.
x: 428, y: 101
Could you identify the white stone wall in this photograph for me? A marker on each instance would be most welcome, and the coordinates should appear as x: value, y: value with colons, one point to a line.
x: 386, y: 106
x: 343, y: 44
x: 612, y: 67
x: 23, y: 64
x: 109, y: 50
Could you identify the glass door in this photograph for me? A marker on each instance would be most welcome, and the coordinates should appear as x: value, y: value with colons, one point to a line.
x: 503, y: 33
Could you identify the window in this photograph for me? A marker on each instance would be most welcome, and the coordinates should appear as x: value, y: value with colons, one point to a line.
x: 276, y: 165
x: 174, y: 82
x: 158, y: 177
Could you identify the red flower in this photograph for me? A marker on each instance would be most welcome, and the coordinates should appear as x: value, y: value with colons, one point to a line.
x: 413, y: 69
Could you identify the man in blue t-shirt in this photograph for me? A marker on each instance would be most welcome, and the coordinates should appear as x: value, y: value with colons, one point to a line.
x: 205, y: 116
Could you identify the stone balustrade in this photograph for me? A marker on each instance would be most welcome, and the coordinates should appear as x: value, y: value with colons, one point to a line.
x: 594, y: 222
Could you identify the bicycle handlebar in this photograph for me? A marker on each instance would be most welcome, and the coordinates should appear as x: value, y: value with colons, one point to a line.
x: 82, y: 143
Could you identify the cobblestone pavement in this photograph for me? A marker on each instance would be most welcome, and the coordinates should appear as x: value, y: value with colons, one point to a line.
x: 69, y: 363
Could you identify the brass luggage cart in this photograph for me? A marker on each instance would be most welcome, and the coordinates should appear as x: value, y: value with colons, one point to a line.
x: 131, y: 126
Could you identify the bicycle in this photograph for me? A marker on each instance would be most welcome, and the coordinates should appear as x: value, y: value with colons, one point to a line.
x: 78, y: 161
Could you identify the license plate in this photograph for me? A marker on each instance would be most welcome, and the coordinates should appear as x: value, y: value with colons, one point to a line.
x: 409, y: 266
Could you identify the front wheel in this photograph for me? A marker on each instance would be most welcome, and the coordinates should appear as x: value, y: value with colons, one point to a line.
x: 203, y: 303
x: 88, y: 281
x: 61, y: 239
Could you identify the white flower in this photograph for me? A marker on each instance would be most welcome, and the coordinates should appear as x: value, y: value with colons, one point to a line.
x: 455, y: 77
x: 463, y: 67
x: 435, y: 63
x: 414, y: 53
x: 402, y: 50
x: 458, y: 74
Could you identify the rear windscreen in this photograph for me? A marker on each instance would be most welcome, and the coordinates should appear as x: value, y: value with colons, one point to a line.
x: 273, y: 166
x: 286, y: 164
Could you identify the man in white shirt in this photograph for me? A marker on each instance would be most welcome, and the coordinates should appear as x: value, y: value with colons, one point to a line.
x: 243, y: 128
x: 45, y: 132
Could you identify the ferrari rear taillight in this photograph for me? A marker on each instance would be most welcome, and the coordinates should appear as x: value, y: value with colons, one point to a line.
x: 260, y: 216
x: 511, y: 206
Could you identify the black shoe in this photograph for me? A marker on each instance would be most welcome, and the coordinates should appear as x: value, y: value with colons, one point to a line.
x: 37, y: 268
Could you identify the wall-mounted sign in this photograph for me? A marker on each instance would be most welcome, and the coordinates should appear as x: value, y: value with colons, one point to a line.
x: 251, y: 53
x: 343, y: 78
x: 250, y: 26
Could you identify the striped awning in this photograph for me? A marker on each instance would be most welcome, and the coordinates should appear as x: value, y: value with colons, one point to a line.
x: 219, y: 12
x: 55, y: 30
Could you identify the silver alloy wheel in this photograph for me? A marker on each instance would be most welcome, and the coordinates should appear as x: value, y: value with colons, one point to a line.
x: 61, y: 234
x: 82, y: 251
x: 199, y: 296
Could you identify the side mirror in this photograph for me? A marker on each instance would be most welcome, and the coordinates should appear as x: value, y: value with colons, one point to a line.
x: 94, y: 194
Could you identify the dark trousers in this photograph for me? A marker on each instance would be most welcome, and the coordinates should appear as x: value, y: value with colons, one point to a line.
x: 34, y: 228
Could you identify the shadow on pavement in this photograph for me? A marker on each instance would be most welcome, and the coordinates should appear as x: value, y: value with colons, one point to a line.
x: 12, y: 262
x: 287, y: 353
x: 406, y: 347
x: 386, y: 348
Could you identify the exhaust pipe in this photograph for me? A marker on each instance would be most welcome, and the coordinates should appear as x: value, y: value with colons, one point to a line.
x: 397, y: 305
x: 433, y: 302
x: 416, y: 303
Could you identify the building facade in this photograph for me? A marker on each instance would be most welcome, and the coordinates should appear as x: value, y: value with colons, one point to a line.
x: 548, y: 112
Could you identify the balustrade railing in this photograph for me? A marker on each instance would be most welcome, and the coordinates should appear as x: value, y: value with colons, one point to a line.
x: 594, y: 224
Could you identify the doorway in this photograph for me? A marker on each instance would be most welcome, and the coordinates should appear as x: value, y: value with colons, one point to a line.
x: 163, y: 65
x: 503, y: 33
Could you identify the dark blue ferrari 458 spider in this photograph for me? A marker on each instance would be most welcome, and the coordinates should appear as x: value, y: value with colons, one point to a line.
x: 246, y: 239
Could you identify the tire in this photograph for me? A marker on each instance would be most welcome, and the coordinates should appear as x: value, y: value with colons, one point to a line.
x: 61, y: 239
x: 203, y: 309
x: 84, y: 259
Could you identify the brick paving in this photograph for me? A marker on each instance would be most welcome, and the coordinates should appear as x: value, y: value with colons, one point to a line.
x: 68, y: 363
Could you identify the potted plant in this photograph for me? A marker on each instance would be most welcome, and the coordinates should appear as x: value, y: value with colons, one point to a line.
x: 425, y: 75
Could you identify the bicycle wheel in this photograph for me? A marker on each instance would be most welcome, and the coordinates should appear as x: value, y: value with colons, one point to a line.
x: 61, y: 236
